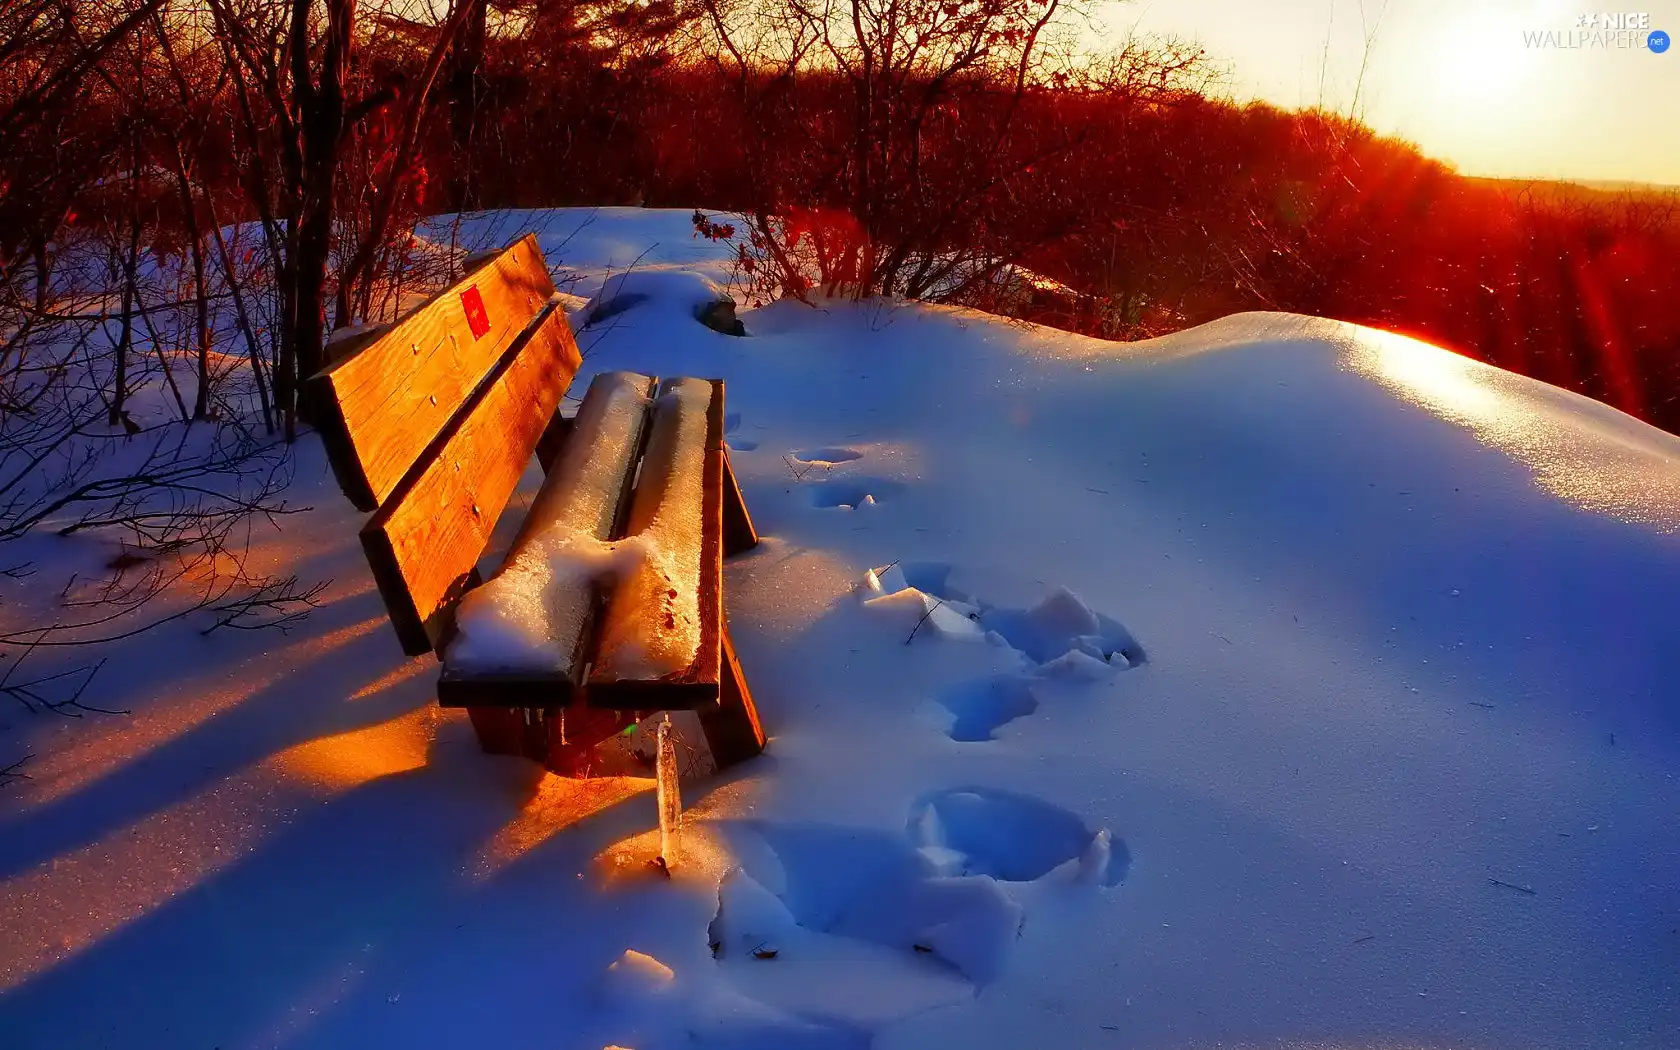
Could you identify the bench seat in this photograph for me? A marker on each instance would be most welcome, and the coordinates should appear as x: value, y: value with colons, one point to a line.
x: 527, y: 629
x: 610, y: 594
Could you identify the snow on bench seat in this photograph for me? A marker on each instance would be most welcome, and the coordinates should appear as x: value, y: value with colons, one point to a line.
x: 532, y: 616
x: 653, y: 626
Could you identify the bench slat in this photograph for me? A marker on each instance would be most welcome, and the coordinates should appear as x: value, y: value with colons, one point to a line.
x: 631, y: 626
x: 426, y: 538
x: 587, y: 493
x: 379, y: 408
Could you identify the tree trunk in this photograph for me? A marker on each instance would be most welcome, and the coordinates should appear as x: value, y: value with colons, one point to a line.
x: 320, y: 107
x: 465, y: 90
x: 120, y: 381
x: 201, y: 291
x: 130, y: 288
x: 242, y: 315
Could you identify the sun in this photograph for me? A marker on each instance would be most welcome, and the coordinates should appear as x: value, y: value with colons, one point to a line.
x: 1472, y: 87
x: 1479, y: 60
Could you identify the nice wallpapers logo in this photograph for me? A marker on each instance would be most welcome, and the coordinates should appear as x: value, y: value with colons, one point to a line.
x: 1612, y: 30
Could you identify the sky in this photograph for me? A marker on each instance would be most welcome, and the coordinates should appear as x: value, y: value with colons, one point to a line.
x: 1477, y: 83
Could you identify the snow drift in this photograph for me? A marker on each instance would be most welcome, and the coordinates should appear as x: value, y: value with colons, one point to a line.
x: 1371, y: 736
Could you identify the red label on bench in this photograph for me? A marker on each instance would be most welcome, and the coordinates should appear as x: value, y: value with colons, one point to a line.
x: 478, y: 318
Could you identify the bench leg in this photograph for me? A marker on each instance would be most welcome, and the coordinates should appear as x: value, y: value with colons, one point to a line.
x: 573, y: 732
x: 732, y: 729
x: 738, y: 532
x: 503, y: 730
x: 562, y: 740
x: 553, y: 440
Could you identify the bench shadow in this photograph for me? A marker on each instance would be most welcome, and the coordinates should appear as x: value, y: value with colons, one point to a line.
x: 370, y: 910
x: 261, y: 946
x: 283, y: 707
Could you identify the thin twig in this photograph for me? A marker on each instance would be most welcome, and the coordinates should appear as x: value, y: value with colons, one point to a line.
x: 9, y: 775
x: 36, y: 699
x: 936, y: 604
x: 798, y: 475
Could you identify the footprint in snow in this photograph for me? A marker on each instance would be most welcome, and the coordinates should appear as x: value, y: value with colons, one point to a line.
x: 825, y: 457
x: 853, y: 493
x: 851, y: 928
x: 979, y: 709
x: 847, y: 492
x: 1013, y: 838
x: 854, y: 928
x: 643, y: 1002
x: 732, y: 423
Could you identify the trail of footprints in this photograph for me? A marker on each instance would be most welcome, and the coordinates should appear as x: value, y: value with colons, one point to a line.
x: 826, y: 933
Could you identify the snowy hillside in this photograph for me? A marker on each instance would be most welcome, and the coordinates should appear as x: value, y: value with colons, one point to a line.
x: 1276, y: 683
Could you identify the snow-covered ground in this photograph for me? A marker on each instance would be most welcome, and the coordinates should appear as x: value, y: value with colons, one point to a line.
x: 1287, y: 684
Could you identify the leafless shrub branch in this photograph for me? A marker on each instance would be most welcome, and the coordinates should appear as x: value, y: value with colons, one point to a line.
x: 11, y: 774
x: 59, y: 693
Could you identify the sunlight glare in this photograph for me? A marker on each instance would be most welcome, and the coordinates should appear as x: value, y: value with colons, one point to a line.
x: 1433, y: 376
x: 1479, y: 61
x: 558, y: 803
x: 404, y: 672
x: 705, y: 855
x: 1579, y: 450
x: 347, y: 760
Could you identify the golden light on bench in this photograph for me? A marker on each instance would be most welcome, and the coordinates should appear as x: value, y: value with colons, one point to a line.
x: 430, y: 423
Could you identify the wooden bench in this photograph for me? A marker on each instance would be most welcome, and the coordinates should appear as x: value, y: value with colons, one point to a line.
x: 429, y: 425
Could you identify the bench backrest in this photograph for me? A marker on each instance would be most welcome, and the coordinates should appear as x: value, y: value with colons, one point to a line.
x: 431, y: 425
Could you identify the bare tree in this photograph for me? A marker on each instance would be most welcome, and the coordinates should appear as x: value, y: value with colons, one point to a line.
x: 105, y: 115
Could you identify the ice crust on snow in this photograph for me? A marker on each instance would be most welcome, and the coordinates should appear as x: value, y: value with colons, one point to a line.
x: 888, y: 595
x: 749, y: 917
x: 530, y: 616
x: 635, y: 974
x: 1063, y: 635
